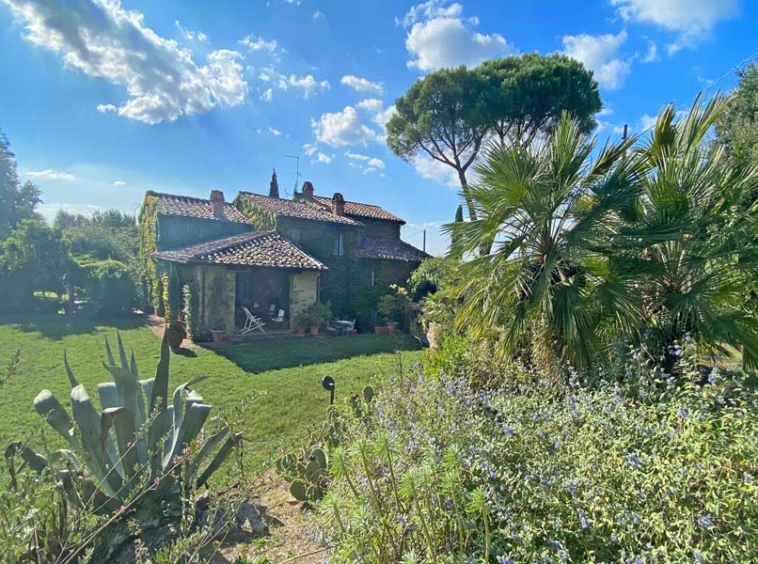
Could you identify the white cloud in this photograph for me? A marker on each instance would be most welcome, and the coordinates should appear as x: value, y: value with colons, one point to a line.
x: 268, y: 95
x: 367, y: 164
x: 440, y: 38
x: 273, y: 131
x: 380, y: 114
x: 428, y: 11
x: 308, y: 84
x: 105, y: 108
x: 119, y: 183
x: 446, y: 42
x: 254, y: 43
x: 190, y: 34
x: 310, y: 149
x: 318, y: 15
x: 437, y: 171
x: 343, y: 128
x: 598, y: 53
x: 322, y: 158
x: 652, y: 53
x: 647, y: 122
x: 48, y: 174
x: 691, y: 19
x: 363, y: 84
x: 103, y: 40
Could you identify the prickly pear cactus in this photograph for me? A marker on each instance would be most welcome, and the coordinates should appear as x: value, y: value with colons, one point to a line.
x: 308, y: 474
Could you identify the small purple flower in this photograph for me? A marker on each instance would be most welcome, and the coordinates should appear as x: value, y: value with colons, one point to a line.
x: 698, y: 557
x: 711, y: 378
x: 683, y: 412
x: 502, y: 559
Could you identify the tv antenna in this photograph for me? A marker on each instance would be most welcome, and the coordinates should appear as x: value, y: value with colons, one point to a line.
x: 297, y: 168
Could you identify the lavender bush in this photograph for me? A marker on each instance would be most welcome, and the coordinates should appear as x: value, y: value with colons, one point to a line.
x: 661, y: 470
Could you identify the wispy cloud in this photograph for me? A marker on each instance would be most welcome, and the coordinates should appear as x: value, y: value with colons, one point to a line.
x: 48, y: 174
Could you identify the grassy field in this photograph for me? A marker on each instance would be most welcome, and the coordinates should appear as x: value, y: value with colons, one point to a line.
x: 271, y: 388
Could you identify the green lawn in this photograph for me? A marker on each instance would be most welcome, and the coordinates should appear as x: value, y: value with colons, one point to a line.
x: 272, y: 387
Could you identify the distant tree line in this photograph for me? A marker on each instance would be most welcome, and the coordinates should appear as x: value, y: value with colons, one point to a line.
x: 80, y: 262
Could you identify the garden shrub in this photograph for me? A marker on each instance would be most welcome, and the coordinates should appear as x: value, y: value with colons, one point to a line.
x: 111, y: 288
x: 470, y: 359
x: 541, y: 472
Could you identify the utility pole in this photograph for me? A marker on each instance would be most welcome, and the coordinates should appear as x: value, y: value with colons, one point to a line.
x: 424, y: 246
x: 624, y: 136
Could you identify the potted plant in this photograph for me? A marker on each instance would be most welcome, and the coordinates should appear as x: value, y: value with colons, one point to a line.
x: 218, y: 334
x: 391, y: 307
x: 314, y: 315
x: 176, y: 334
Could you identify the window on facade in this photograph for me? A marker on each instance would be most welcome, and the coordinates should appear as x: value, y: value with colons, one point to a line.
x: 339, y: 245
x: 373, y: 276
x: 296, y: 235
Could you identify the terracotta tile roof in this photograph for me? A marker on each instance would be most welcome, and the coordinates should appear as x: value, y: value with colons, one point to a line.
x: 186, y: 206
x: 390, y: 249
x: 360, y: 210
x: 264, y: 249
x: 299, y: 210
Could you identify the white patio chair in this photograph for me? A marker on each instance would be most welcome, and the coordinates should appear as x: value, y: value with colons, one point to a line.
x: 279, y: 318
x: 252, y: 323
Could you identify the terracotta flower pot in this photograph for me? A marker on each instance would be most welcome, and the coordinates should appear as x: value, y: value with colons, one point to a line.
x: 391, y: 327
x: 218, y: 336
x: 176, y: 334
x: 314, y: 329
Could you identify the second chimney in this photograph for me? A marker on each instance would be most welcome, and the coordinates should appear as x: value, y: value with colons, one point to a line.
x: 217, y: 203
x: 308, y: 190
x: 338, y: 204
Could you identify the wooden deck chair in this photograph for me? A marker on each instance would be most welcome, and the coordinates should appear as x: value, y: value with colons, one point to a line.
x: 252, y: 323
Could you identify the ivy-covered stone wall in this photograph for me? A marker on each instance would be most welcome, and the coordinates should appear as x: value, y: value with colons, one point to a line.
x: 174, y: 232
x: 380, y: 229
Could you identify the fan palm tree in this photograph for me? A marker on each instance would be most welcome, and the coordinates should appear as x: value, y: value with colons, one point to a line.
x: 547, y: 212
x: 687, y: 240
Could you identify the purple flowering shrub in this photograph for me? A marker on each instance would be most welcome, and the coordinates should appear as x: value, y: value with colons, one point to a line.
x: 535, y: 472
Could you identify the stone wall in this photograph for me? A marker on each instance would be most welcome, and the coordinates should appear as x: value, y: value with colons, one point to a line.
x: 303, y: 292
x: 217, y: 286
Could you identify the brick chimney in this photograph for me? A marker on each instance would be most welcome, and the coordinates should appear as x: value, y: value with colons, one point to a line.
x: 217, y: 203
x: 338, y: 204
x: 308, y: 190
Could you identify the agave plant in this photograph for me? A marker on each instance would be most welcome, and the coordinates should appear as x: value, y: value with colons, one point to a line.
x: 138, y: 446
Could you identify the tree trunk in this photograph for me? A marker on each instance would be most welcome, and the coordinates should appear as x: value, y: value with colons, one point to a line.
x: 464, y: 189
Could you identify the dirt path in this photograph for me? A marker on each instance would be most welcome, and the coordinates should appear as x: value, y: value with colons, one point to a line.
x: 288, y: 530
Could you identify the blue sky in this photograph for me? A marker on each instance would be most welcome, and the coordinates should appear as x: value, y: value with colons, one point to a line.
x: 106, y: 99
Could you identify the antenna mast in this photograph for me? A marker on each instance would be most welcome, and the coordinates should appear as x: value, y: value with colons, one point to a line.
x: 297, y: 167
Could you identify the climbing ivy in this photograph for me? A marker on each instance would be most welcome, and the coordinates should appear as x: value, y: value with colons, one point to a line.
x: 148, y: 223
x: 262, y: 218
x: 191, y: 307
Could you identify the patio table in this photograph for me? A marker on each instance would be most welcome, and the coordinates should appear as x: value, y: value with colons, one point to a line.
x: 344, y: 326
